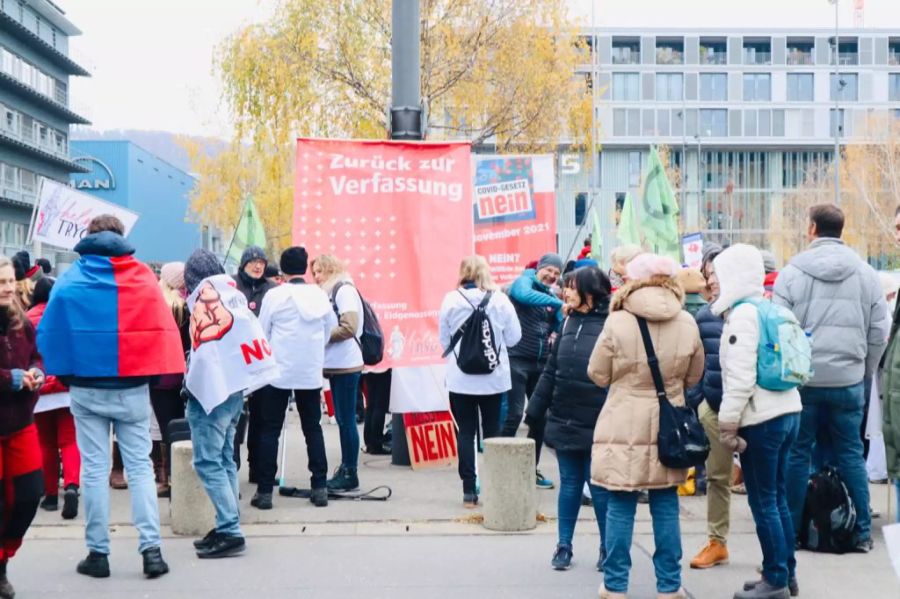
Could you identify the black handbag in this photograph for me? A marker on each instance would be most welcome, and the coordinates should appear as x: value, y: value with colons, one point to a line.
x: 681, y: 442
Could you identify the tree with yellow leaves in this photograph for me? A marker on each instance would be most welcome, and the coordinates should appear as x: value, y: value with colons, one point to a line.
x: 497, y: 73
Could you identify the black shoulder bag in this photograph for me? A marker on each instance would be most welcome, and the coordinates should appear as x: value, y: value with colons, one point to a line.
x: 681, y: 442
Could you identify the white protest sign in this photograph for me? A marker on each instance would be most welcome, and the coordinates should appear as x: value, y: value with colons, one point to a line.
x: 692, y: 245
x: 63, y: 214
x: 229, y: 351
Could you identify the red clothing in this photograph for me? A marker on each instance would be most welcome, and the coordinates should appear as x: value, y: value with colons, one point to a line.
x: 51, y: 383
x: 769, y: 284
x: 56, y: 429
x: 20, y: 473
x: 585, y: 252
x: 18, y: 351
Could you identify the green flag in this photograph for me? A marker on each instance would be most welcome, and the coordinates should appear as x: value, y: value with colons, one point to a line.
x: 249, y: 231
x: 596, y: 237
x: 658, y: 211
x: 629, y: 226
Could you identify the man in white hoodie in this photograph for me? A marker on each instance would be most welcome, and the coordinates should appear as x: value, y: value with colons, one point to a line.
x: 297, y: 319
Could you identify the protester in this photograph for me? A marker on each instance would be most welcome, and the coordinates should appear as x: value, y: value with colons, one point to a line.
x: 620, y: 258
x: 586, y: 248
x: 56, y: 427
x: 693, y: 283
x: 574, y: 402
x: 24, y: 282
x: 165, y: 393
x: 706, y: 398
x: 111, y: 301
x: 297, y: 319
x: 343, y: 364
x: 539, y: 312
x: 624, y: 456
x: 474, y: 394
x: 213, y: 432
x: 21, y: 375
x: 376, y: 383
x: 251, y: 281
x: 758, y: 423
x: 273, y: 275
x: 891, y: 393
x: 771, y: 267
x: 837, y: 298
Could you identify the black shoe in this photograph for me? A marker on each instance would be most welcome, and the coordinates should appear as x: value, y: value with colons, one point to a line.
x: 50, y: 503
x: 470, y: 500
x: 345, y: 479
x: 205, y: 541
x: 319, y: 497
x: 378, y: 450
x: 763, y: 590
x: 864, y: 546
x: 793, y: 587
x: 262, y: 501
x: 70, y: 503
x: 95, y: 565
x: 6, y: 589
x: 154, y: 565
x: 222, y: 546
x: 600, y: 561
x: 562, y: 557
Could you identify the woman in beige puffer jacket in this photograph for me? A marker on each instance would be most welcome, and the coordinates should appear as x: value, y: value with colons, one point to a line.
x: 624, y: 458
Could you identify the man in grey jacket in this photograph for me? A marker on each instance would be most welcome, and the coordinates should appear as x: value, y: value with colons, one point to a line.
x: 838, y: 299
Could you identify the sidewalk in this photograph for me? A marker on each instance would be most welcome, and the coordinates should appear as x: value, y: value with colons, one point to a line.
x: 339, y: 550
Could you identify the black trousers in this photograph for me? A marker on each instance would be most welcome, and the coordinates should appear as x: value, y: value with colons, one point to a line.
x: 253, y: 427
x: 525, y: 375
x: 272, y: 406
x: 167, y: 406
x: 465, y: 410
x: 378, y: 396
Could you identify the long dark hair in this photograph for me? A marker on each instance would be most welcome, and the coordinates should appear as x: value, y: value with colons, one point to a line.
x: 590, y: 282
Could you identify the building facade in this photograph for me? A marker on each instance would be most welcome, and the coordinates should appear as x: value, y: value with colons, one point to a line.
x: 746, y: 116
x: 124, y: 173
x: 35, y: 112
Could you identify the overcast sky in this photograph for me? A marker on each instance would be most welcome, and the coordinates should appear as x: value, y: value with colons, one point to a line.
x: 152, y: 59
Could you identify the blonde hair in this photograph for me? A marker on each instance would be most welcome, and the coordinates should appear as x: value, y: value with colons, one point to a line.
x: 329, y: 266
x: 25, y: 291
x: 175, y: 302
x: 475, y: 269
x: 16, y: 310
x: 624, y: 254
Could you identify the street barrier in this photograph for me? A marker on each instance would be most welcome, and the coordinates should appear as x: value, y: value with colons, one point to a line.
x: 510, y: 503
x: 191, y: 510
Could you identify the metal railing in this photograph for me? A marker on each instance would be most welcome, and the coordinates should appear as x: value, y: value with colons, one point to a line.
x: 27, y: 136
x: 18, y: 193
x: 800, y: 57
x: 712, y: 57
x: 669, y: 56
x: 626, y: 56
x: 894, y: 57
x: 757, y: 57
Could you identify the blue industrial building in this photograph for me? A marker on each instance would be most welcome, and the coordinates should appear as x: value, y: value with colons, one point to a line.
x: 123, y: 173
x: 35, y: 112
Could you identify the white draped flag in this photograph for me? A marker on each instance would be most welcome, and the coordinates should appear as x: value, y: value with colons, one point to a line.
x: 229, y: 351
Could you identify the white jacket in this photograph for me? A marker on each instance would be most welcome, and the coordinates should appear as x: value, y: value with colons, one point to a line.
x: 455, y: 309
x: 297, y: 319
x: 740, y: 272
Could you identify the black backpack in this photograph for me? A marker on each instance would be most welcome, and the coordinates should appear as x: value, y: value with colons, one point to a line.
x: 371, y: 342
x: 829, y: 517
x: 478, y: 351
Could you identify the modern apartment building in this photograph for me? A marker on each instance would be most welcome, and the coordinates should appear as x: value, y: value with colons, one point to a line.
x: 35, y: 112
x: 746, y: 115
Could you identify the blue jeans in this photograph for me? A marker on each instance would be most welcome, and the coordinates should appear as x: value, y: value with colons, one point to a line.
x: 212, y: 436
x: 836, y: 412
x: 666, y: 537
x: 344, y: 389
x: 128, y: 412
x: 764, y: 465
x: 574, y: 471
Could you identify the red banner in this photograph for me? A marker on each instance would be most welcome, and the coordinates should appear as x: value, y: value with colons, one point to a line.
x: 398, y: 215
x: 431, y: 438
x: 515, y: 212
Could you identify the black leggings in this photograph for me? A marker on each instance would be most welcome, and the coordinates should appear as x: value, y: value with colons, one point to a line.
x: 378, y: 396
x: 465, y: 410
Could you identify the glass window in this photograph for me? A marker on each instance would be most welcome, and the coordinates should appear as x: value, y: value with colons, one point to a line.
x: 634, y: 122
x: 634, y: 168
x: 669, y: 51
x: 845, y: 88
x: 757, y: 87
x: 662, y: 122
x: 626, y: 87
x: 894, y: 87
x: 626, y: 51
x: 714, y: 87
x: 713, y: 52
x: 800, y: 87
x: 713, y: 123
x: 619, y: 122
x: 837, y: 120
x: 669, y: 87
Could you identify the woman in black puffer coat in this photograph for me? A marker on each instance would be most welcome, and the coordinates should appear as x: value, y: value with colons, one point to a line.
x: 573, y: 402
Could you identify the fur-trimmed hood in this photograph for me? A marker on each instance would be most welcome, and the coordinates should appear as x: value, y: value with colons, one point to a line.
x: 656, y: 299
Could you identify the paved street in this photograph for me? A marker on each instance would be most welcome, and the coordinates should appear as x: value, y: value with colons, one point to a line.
x: 418, y: 544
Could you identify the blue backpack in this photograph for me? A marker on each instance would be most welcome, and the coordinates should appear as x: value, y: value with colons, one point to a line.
x: 784, y: 353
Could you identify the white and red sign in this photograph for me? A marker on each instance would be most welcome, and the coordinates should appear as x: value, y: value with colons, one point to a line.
x: 431, y: 439
x: 692, y: 247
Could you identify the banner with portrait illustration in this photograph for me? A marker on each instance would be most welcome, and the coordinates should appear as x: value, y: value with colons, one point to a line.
x: 63, y: 214
x: 514, y: 209
x: 398, y: 215
x: 229, y: 351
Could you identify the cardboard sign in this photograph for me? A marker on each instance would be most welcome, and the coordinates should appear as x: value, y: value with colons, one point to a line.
x: 692, y: 246
x: 63, y: 215
x: 431, y: 438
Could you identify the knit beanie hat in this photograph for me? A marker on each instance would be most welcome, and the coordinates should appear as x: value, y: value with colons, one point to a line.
x: 769, y: 263
x: 173, y: 274
x: 271, y: 271
x: 45, y: 265
x: 200, y: 265
x: 646, y: 266
x: 254, y: 252
x: 294, y: 261
x: 586, y: 262
x: 550, y: 260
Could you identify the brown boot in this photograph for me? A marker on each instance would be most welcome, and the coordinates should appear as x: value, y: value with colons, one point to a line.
x: 117, y: 476
x: 158, y: 455
x: 713, y: 554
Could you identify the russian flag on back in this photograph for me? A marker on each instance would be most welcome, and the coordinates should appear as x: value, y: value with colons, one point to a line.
x: 107, y: 318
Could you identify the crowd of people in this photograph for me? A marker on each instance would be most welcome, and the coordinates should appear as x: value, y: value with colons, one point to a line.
x: 584, y: 355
